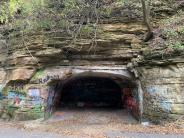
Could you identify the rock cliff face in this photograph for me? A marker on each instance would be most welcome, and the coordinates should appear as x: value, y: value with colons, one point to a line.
x: 162, y: 85
x: 3, y: 57
x: 117, y: 45
x: 38, y: 58
x: 30, y: 63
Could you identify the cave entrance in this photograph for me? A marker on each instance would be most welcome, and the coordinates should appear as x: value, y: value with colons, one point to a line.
x: 96, y: 93
x: 91, y: 92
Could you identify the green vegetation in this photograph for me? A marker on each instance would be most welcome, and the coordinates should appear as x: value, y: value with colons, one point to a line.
x: 38, y: 75
x: 81, y: 17
x: 72, y: 15
x: 173, y: 31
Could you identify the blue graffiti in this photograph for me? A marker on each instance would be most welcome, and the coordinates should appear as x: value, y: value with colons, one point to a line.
x: 1, y: 88
x: 34, y: 95
x: 157, y: 90
x: 151, y: 90
x: 34, y: 92
x: 37, y: 101
x: 166, y: 106
x: 12, y: 95
x: 1, y: 96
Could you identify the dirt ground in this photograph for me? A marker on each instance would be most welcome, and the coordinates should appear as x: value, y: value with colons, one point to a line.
x: 97, y: 123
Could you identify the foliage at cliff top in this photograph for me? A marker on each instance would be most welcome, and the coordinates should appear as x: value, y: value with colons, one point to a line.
x: 47, y: 14
x: 76, y: 16
x: 170, y: 33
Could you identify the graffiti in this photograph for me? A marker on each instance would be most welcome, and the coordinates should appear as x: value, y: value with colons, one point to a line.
x: 50, y: 102
x: 12, y: 95
x: 34, y: 92
x: 34, y: 95
x: 165, y: 106
x: 161, y: 93
x: 43, y: 76
x: 51, y: 96
x: 16, y: 87
x: 157, y: 90
x: 130, y: 101
x: 1, y: 89
x: 17, y: 98
x: 47, y: 78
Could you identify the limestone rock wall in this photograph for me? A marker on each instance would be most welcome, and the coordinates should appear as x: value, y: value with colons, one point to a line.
x: 28, y: 56
x: 163, y: 91
x: 3, y: 57
x: 24, y: 57
x: 116, y: 45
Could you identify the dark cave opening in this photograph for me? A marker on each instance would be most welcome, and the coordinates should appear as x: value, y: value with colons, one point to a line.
x: 94, y: 92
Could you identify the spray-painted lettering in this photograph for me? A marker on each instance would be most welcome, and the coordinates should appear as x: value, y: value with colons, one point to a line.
x: 47, y: 78
x: 16, y: 87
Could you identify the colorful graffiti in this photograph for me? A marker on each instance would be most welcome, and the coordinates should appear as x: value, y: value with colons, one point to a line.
x: 130, y: 101
x: 161, y: 93
x: 50, y: 102
x: 16, y: 93
x: 34, y: 92
x: 17, y: 98
x: 12, y: 94
x: 1, y: 90
x: 34, y: 96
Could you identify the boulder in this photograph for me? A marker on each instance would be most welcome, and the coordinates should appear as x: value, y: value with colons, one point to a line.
x: 21, y: 74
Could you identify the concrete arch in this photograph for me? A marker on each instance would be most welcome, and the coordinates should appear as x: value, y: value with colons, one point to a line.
x: 63, y: 73
x: 121, y: 76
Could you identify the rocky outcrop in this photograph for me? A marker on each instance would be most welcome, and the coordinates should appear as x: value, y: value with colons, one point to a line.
x: 2, y: 74
x: 163, y: 91
x: 21, y: 74
x: 116, y: 45
x: 26, y: 68
x: 30, y: 62
x: 162, y: 84
x: 3, y: 58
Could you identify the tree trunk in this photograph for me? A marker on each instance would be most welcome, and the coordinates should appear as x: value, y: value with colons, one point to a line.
x: 146, y: 21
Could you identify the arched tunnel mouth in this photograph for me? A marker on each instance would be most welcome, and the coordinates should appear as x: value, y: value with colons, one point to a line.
x: 91, y: 92
x: 95, y: 94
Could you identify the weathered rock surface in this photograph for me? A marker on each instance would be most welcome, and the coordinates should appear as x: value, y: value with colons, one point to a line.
x: 21, y: 74
x: 2, y: 74
x: 39, y: 57
x: 117, y: 45
x: 163, y: 93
